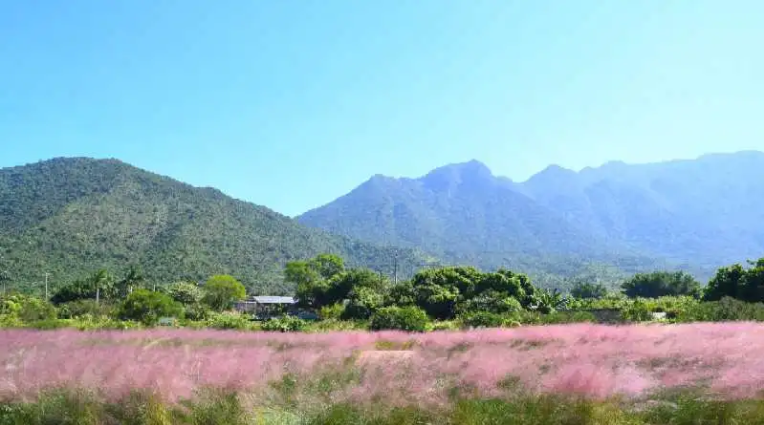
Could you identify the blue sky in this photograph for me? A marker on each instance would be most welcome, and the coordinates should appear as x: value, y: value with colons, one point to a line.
x: 291, y: 104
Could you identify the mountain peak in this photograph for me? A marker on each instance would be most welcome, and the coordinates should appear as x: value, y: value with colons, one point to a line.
x: 471, y: 172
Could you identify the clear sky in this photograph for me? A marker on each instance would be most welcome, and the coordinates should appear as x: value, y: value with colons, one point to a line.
x: 292, y: 103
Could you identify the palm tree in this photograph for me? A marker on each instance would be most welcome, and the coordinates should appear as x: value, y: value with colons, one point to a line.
x: 101, y: 279
x: 132, y: 278
x: 546, y: 301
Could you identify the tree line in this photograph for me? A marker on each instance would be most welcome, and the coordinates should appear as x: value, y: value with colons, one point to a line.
x: 461, y: 294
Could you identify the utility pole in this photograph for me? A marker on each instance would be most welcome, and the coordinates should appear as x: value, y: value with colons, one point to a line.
x: 395, y: 267
x: 98, y: 291
x: 46, y: 286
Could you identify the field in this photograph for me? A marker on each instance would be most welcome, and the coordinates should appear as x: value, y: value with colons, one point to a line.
x: 305, y: 375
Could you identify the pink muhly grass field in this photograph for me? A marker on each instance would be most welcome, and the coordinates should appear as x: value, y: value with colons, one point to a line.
x: 590, y: 360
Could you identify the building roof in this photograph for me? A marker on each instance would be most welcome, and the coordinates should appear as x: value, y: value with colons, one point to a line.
x: 269, y: 299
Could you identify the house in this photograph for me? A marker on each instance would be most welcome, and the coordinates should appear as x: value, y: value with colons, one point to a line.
x: 266, y: 305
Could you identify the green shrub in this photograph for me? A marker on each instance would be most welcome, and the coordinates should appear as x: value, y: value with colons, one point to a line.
x: 228, y: 320
x: 410, y: 318
x: 333, y: 311
x: 491, y: 302
x: 483, y: 319
x: 49, y: 324
x: 18, y: 307
x: 81, y: 307
x: 148, y: 307
x: 197, y: 312
x: 284, y: 324
x: 561, y: 317
x: 639, y: 311
x: 362, y: 303
x: 35, y: 309
x: 586, y: 290
x: 445, y: 325
x: 727, y: 309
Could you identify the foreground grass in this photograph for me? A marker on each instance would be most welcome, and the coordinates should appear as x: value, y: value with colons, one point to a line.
x: 68, y: 407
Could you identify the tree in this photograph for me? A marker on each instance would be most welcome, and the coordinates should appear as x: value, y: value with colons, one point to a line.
x: 492, y: 302
x: 328, y: 265
x: 132, y: 279
x: 185, y: 293
x: 659, y: 284
x: 221, y: 291
x: 411, y: 319
x: 737, y: 282
x: 547, y: 302
x: 148, y: 307
x: 362, y: 303
x: 312, y: 278
x: 98, y: 286
x: 586, y: 290
x: 5, y: 275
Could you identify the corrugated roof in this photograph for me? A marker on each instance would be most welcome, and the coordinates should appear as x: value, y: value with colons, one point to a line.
x: 269, y: 299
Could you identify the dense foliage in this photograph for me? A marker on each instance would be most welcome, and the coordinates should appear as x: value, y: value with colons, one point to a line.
x: 358, y: 298
x: 661, y: 284
x: 148, y: 307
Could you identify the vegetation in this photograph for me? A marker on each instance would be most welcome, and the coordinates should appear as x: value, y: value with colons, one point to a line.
x: 226, y: 407
x: 661, y: 284
x: 222, y: 291
x: 635, y: 218
x: 67, y: 216
x: 408, y: 318
x: 148, y: 307
x: 345, y: 298
x: 699, y: 374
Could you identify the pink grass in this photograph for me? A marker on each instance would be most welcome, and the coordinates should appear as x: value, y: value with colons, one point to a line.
x: 591, y: 360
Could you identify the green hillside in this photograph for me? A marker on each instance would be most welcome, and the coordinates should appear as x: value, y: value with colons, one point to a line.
x: 70, y: 216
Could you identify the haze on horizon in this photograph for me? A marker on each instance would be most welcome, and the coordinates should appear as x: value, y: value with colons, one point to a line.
x: 291, y: 106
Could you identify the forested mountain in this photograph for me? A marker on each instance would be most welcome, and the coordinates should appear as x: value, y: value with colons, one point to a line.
x: 68, y: 217
x: 697, y: 214
x: 467, y: 216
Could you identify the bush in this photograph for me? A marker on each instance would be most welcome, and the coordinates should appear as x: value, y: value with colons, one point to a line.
x: 148, y: 307
x: 228, y: 320
x: 35, y: 309
x: 412, y: 319
x: 658, y: 284
x: 21, y: 308
x: 331, y: 312
x: 727, y: 309
x: 82, y: 307
x: 483, y: 319
x: 561, y: 317
x: 362, y: 303
x: 638, y: 311
x: 197, y: 312
x: 492, y: 302
x: 284, y: 324
x: 585, y: 290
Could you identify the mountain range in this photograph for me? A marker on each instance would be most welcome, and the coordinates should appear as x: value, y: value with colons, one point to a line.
x: 691, y: 214
x: 70, y: 216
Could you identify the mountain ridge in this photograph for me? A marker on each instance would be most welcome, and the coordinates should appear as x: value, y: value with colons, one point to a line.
x: 665, y: 214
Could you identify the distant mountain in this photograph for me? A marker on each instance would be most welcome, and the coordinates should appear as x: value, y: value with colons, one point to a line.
x: 466, y: 215
x: 68, y: 217
x: 696, y: 214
